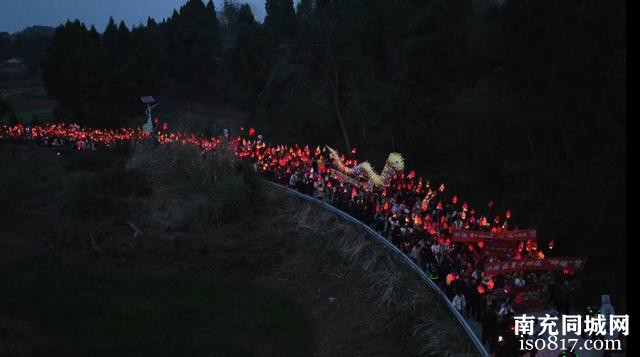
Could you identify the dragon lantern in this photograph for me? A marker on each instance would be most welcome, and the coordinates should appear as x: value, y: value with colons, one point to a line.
x: 394, y: 163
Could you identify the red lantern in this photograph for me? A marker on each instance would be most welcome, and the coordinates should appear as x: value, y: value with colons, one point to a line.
x: 491, y: 284
x: 552, y: 243
x: 252, y: 131
x: 480, y: 244
x: 441, y: 189
x: 480, y: 289
x: 450, y: 278
x: 455, y: 199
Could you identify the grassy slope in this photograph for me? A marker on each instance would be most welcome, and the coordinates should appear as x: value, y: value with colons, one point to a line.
x: 84, y: 312
x: 204, y: 225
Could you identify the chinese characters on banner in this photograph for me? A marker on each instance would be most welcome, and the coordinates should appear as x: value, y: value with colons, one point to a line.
x: 560, y: 263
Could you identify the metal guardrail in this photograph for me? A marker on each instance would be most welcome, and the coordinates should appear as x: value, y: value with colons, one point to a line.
x: 474, y: 338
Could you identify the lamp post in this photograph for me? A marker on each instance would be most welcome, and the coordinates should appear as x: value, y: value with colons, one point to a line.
x: 151, y: 103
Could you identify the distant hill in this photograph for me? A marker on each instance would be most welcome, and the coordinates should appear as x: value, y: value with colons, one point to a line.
x: 36, y: 29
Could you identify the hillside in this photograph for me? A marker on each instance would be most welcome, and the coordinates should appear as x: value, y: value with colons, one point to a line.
x: 200, y: 237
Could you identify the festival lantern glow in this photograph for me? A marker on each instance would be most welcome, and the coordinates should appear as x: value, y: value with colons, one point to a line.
x: 490, y: 284
x: 480, y: 289
x: 552, y: 244
x: 451, y: 277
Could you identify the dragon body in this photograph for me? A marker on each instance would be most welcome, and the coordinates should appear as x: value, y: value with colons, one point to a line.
x: 394, y: 163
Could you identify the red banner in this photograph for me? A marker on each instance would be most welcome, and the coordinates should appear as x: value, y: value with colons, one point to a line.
x: 466, y: 236
x: 500, y: 249
x: 521, y: 234
x: 530, y: 298
x: 571, y: 264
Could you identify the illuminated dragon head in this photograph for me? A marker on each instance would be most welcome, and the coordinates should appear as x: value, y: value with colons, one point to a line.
x: 396, y: 161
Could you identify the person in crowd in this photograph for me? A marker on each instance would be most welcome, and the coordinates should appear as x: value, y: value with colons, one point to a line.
x: 416, y: 254
x: 459, y: 302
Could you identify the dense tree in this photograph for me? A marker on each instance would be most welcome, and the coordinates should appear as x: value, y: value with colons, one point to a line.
x: 519, y: 101
x: 280, y: 20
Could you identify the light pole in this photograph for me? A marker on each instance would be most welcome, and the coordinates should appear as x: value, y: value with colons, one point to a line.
x: 151, y: 103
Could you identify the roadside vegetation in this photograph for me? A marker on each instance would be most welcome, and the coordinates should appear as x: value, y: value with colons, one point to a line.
x: 103, y: 238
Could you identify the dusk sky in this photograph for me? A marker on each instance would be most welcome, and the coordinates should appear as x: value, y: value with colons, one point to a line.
x: 15, y: 15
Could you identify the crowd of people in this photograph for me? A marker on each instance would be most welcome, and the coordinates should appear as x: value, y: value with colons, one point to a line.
x: 419, y: 219
x: 415, y: 215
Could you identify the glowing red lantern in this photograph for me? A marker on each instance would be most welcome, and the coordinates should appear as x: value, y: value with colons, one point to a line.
x: 455, y: 199
x: 450, y: 278
x: 481, y: 289
x: 552, y: 243
x: 480, y: 244
x: 491, y: 284
x: 252, y: 131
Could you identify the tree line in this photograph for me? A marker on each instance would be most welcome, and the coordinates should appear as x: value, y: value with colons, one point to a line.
x: 518, y: 101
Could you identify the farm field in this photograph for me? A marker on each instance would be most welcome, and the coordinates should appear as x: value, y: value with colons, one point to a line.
x: 28, y: 99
